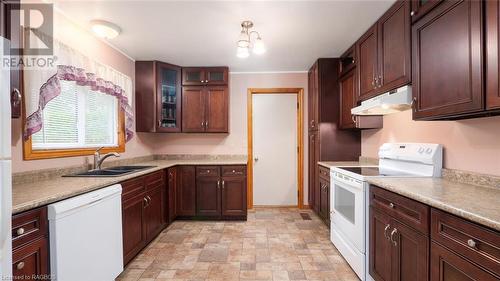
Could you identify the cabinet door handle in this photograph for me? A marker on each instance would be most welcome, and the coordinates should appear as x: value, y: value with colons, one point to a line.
x: 391, y: 205
x: 20, y: 265
x: 218, y: 184
x: 394, y: 232
x: 149, y: 199
x: 206, y: 124
x: 414, y: 104
x: 145, y: 202
x: 20, y: 231
x: 312, y: 123
x: 385, y: 231
x: 380, y: 81
x: 412, y: 13
x: 223, y: 184
x: 353, y: 118
x: 16, y: 97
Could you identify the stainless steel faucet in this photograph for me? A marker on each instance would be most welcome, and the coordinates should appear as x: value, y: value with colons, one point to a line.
x: 98, y: 159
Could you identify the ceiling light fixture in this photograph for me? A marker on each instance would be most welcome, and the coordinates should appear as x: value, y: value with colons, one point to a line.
x: 245, y: 43
x: 105, y: 29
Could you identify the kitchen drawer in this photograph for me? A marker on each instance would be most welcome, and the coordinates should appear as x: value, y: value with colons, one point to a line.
x: 207, y: 171
x: 155, y: 180
x: 132, y: 188
x: 28, y: 226
x: 473, y: 241
x: 31, y: 261
x: 324, y: 172
x: 408, y: 211
x: 234, y: 171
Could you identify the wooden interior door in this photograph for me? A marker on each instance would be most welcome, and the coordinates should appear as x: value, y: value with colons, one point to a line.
x: 134, y: 234
x: 447, y: 60
x: 380, y: 246
x: 367, y: 63
x: 348, y: 95
x: 186, y: 191
x: 492, y: 55
x: 394, y: 47
x: 234, y: 196
x: 217, y: 107
x: 193, y: 109
x: 410, y: 256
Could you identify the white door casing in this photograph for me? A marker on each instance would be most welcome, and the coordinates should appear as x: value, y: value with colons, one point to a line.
x: 275, y: 154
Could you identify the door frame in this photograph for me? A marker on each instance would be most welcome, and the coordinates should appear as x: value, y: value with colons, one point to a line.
x: 300, y: 139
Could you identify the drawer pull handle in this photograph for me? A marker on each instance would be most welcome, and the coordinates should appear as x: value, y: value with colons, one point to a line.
x: 385, y: 231
x: 471, y: 243
x: 394, y: 232
x: 20, y: 231
x: 20, y: 265
x: 391, y: 205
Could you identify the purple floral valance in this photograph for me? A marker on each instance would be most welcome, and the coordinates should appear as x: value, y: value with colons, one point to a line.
x: 52, y: 88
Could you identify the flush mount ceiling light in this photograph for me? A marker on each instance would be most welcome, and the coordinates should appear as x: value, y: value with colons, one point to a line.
x: 105, y: 29
x: 245, y: 42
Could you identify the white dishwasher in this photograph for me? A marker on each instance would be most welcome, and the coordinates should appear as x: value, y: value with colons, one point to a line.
x: 86, y: 236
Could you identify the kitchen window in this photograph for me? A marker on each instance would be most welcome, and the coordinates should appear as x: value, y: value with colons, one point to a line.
x: 77, y: 122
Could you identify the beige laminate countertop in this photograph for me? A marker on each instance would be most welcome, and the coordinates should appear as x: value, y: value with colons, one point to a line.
x: 329, y: 164
x: 475, y: 203
x: 27, y: 196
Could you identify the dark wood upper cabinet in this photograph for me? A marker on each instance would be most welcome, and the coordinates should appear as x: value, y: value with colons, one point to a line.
x: 158, y: 97
x: 313, y: 99
x: 366, y: 48
x: 205, y: 109
x: 347, y: 61
x: 186, y: 191
x: 199, y: 76
x: 193, y: 103
x: 447, y: 61
x: 348, y: 99
x: 492, y: 37
x: 420, y: 7
x: 383, y: 53
x: 394, y: 57
x: 217, y: 109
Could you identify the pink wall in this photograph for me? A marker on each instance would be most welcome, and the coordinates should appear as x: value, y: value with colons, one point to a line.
x: 469, y: 145
x: 236, y: 141
x: 86, y: 43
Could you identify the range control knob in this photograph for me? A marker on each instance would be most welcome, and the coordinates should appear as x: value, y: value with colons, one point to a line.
x: 428, y: 150
x: 421, y: 150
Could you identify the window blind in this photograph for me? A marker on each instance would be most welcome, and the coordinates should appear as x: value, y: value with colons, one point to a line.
x: 78, y: 118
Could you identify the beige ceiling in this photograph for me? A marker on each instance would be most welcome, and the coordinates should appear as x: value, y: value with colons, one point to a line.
x: 205, y: 32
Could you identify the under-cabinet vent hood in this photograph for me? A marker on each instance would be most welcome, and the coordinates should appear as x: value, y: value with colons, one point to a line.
x: 391, y: 102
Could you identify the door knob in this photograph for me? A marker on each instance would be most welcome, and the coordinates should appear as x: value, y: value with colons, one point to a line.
x: 256, y: 159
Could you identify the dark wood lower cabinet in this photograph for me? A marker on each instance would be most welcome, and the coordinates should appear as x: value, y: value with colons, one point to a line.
x: 31, y: 261
x: 322, y: 193
x: 448, y: 266
x: 133, y: 232
x: 155, y: 212
x: 186, y: 191
x: 455, y: 249
x: 171, y: 191
x: 208, y: 195
x: 234, y: 196
x: 30, y: 245
x: 221, y: 192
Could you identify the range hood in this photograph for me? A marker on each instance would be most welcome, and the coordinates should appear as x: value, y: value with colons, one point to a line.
x: 391, y: 102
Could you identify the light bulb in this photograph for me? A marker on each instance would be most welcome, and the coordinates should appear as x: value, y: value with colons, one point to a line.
x: 243, y: 40
x: 258, y: 47
x: 242, y: 52
x: 105, y: 29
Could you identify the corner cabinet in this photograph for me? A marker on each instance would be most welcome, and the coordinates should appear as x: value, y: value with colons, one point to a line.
x: 383, y: 52
x: 158, y: 97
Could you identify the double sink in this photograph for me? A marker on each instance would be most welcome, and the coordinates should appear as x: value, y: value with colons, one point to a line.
x: 111, y: 172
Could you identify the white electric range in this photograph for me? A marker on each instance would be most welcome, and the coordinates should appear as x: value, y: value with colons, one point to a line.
x: 349, y: 195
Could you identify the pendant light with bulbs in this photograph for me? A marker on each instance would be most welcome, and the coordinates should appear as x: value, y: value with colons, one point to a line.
x: 245, y: 42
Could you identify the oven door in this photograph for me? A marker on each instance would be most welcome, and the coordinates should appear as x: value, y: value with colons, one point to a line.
x: 348, y: 210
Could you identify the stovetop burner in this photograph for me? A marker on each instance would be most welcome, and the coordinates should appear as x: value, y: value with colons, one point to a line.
x: 374, y: 172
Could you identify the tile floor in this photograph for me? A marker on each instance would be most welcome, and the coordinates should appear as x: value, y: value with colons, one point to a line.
x: 274, y: 244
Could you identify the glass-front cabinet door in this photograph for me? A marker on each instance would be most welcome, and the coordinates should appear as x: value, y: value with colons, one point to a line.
x: 169, y: 98
x: 192, y: 76
x: 216, y: 75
